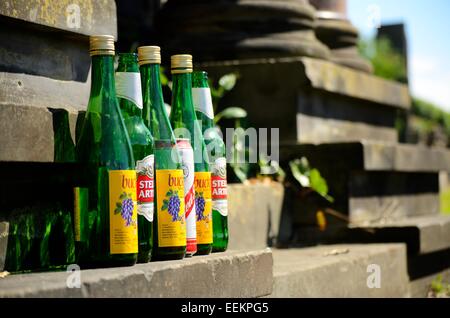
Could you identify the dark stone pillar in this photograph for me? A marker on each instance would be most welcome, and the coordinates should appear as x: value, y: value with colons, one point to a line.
x: 335, y: 30
x: 237, y: 29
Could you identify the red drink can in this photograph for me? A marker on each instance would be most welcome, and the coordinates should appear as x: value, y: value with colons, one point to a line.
x: 187, y: 162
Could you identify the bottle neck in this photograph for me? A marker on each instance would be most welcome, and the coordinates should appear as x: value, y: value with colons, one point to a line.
x: 128, y: 86
x: 182, y: 114
x: 201, y: 97
x: 102, y: 80
x: 199, y: 80
x: 151, y: 80
x: 128, y: 63
x: 154, y: 112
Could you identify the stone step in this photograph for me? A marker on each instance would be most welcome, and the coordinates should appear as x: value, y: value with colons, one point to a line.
x: 340, y: 271
x: 244, y: 202
x: 420, y: 288
x: 246, y: 232
x: 46, y: 130
x: 372, y: 156
x: 367, y: 210
x: 377, y: 196
x: 45, y: 69
x: 373, y: 181
x: 88, y: 17
x: 242, y: 274
x: 52, y: 41
x: 371, y: 197
x: 422, y: 234
x: 4, y: 228
x: 316, y: 101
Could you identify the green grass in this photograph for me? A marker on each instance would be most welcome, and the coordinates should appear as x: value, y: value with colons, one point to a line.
x: 445, y: 201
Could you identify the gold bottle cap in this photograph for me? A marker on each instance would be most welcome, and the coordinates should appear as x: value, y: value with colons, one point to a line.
x: 149, y: 55
x: 181, y: 63
x: 101, y: 45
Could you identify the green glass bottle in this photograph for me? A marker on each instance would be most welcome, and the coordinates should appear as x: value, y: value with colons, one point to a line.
x: 105, y: 209
x: 169, y: 229
x: 185, y: 124
x: 129, y: 94
x: 201, y: 96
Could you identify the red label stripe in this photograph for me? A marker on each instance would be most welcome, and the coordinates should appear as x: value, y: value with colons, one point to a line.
x: 189, y: 200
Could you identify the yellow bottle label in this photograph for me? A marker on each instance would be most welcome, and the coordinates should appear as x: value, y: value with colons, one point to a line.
x: 203, y: 207
x: 170, y: 208
x: 123, y: 212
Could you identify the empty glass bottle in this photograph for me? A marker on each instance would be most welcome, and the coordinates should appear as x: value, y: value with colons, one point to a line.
x: 185, y: 124
x: 129, y: 94
x: 169, y: 227
x: 201, y: 96
x: 105, y: 209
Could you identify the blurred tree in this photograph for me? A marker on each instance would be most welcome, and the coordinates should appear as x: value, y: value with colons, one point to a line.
x: 386, y: 61
x: 431, y: 121
x: 428, y: 122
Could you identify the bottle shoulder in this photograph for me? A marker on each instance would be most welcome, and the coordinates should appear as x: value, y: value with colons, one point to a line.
x: 104, y: 145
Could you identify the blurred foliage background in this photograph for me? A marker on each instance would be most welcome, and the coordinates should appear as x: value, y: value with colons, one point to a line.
x: 427, y: 123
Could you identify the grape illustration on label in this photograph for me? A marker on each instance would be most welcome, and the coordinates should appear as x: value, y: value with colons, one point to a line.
x: 125, y: 208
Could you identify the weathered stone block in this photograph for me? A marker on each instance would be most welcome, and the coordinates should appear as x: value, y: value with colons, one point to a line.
x: 423, y: 234
x: 340, y: 271
x: 231, y: 274
x: 254, y: 215
x: 421, y: 287
x: 372, y: 156
x: 50, y: 38
x: 26, y: 134
x: 365, y: 197
x: 4, y: 230
x: 382, y: 196
x: 46, y: 110
x: 324, y: 130
x: 308, y: 92
x: 43, y: 92
x: 212, y: 30
x: 368, y: 210
x: 34, y: 134
x: 332, y: 78
x: 88, y: 17
x: 370, y: 182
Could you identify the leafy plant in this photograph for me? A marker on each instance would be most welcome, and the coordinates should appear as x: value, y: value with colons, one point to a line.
x: 432, y: 113
x: 267, y: 167
x: 225, y: 84
x: 386, y: 61
x: 240, y: 149
x: 164, y: 80
x: 438, y: 288
x: 230, y: 113
x: 309, y: 177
